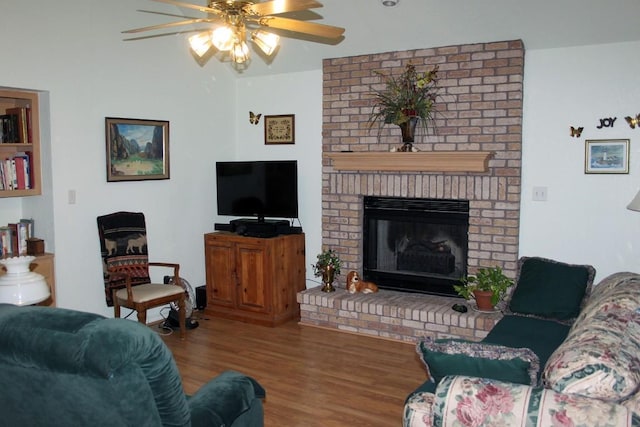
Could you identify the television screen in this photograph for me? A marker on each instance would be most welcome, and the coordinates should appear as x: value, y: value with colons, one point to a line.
x: 258, y: 188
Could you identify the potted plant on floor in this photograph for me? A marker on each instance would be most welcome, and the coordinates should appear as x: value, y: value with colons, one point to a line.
x: 488, y: 287
x: 327, y: 266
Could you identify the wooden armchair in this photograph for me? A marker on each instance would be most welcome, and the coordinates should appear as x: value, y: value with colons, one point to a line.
x: 127, y: 283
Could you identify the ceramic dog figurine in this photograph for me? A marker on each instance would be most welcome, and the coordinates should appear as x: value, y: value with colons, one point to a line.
x: 354, y: 284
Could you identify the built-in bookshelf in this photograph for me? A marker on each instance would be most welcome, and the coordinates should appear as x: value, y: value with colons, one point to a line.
x: 19, y: 143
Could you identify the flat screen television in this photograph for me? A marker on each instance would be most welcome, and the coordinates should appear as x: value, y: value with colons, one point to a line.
x: 262, y: 189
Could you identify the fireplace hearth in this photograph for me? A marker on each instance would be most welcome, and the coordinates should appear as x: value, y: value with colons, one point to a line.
x: 415, y: 244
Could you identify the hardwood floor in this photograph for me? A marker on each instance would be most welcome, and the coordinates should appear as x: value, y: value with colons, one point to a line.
x: 313, y: 377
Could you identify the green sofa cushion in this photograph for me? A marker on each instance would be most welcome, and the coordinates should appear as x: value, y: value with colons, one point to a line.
x: 543, y: 337
x: 550, y: 289
x: 460, y: 357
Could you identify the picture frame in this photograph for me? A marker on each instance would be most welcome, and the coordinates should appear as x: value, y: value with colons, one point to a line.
x: 279, y: 129
x: 604, y: 156
x: 137, y: 149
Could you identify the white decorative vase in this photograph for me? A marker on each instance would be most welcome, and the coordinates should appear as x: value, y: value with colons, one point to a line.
x: 19, y: 285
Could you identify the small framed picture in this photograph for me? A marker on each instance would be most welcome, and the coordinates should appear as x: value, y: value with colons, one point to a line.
x: 279, y: 129
x: 137, y: 150
x: 606, y: 156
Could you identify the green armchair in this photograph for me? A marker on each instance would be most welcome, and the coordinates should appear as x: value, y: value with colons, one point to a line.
x: 62, y: 367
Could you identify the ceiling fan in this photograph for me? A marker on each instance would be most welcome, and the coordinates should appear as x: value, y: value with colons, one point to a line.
x: 231, y: 19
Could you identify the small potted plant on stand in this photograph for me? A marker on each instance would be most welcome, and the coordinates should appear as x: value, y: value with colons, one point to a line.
x: 327, y: 266
x: 488, y: 287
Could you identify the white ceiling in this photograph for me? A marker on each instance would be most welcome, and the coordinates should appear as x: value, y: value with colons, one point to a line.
x: 412, y: 24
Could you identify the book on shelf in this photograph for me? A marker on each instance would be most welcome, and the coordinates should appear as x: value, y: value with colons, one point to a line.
x: 6, y: 241
x: 15, y: 126
x: 19, y: 170
x: 14, y: 237
x: 15, y: 172
x: 30, y: 226
x: 8, y: 126
x: 22, y: 234
x: 21, y: 124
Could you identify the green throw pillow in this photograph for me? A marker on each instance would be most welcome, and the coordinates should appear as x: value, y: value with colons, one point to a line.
x: 475, y: 359
x: 550, y: 289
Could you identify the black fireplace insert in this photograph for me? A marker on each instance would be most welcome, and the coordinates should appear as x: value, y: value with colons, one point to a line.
x: 415, y: 244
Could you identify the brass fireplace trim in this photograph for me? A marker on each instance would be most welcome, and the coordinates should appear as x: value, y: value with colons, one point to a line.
x: 422, y: 161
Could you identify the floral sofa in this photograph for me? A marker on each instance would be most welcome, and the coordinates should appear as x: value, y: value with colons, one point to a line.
x: 537, y: 367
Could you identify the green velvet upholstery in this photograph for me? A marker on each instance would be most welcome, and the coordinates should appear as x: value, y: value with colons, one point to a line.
x: 65, y: 367
x: 460, y: 357
x: 550, y: 289
x: 541, y: 336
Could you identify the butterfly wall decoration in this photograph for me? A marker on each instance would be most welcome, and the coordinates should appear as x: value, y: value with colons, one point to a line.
x: 254, y: 119
x: 633, y: 121
x: 576, y: 132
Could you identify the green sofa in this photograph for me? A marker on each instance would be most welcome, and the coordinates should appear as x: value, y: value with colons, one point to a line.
x: 62, y: 367
x: 564, y: 353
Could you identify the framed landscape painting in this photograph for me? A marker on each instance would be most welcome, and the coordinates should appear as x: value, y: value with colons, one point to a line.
x: 606, y: 156
x: 137, y: 149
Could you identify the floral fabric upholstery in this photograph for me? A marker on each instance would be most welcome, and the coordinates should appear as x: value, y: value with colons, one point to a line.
x: 417, y: 410
x: 468, y: 401
x: 591, y: 379
x: 601, y: 356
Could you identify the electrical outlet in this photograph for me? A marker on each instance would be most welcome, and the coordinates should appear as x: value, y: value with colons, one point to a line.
x: 540, y: 194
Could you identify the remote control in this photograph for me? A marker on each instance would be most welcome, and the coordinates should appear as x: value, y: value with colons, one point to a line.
x: 460, y: 308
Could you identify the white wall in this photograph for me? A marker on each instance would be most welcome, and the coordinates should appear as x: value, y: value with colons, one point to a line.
x: 585, y: 219
x: 89, y: 73
x: 78, y: 57
x: 299, y: 94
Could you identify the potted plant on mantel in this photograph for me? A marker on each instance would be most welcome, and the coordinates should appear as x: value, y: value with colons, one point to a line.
x: 488, y: 287
x: 327, y: 266
x: 405, y: 100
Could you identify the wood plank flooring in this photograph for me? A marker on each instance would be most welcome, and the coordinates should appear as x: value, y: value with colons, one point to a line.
x: 313, y: 377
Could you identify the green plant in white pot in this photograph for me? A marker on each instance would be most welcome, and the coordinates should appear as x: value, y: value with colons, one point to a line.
x: 488, y: 287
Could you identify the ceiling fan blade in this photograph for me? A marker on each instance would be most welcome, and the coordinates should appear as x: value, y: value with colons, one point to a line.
x: 166, y: 14
x: 275, y: 7
x: 153, y: 36
x: 294, y: 25
x: 169, y: 25
x: 205, y: 9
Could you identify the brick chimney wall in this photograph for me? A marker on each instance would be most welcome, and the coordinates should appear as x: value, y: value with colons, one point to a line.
x: 479, y: 109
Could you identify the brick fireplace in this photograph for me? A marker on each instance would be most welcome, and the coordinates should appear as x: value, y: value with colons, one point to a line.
x: 479, y: 110
x: 474, y: 155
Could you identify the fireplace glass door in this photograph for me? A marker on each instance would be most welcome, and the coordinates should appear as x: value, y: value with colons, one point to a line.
x: 416, y: 245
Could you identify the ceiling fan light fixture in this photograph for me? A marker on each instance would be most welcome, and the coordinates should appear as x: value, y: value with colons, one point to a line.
x: 200, y: 43
x: 222, y: 38
x: 240, y: 52
x: 229, y: 20
x: 267, y: 42
x: 390, y: 3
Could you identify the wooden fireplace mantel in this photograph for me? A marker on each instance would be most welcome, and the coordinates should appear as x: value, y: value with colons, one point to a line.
x: 422, y: 161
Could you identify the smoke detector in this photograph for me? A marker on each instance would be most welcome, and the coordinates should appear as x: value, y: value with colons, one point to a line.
x: 390, y: 3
